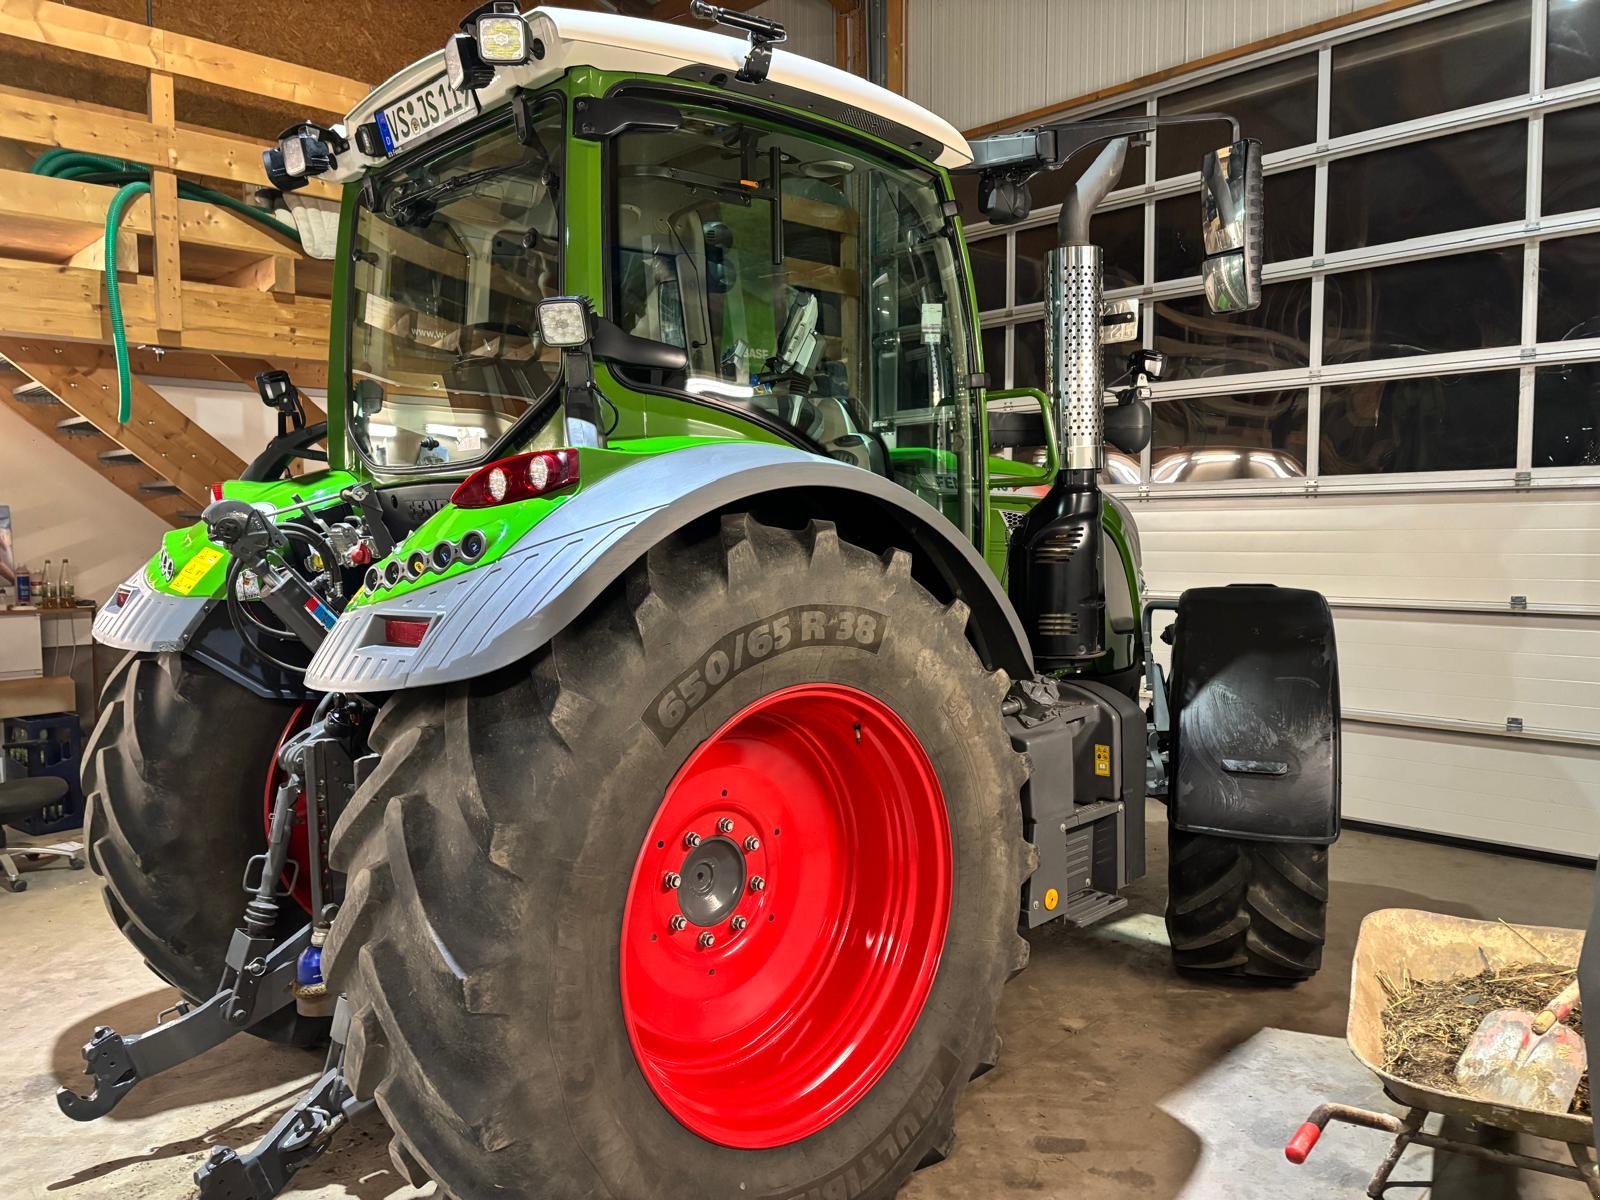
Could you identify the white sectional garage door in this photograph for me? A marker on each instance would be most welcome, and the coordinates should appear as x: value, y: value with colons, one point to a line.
x: 1410, y: 421
x: 1467, y: 713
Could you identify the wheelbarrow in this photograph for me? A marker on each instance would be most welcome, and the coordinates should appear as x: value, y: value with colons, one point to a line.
x: 1397, y: 941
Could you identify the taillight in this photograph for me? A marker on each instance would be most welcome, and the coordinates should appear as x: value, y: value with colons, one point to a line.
x: 405, y: 631
x: 216, y: 492
x: 520, y: 477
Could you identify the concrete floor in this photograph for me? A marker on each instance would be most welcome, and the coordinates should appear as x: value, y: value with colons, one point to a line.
x: 1119, y: 1081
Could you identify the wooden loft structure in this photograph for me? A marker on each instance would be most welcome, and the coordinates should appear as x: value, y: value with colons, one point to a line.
x: 207, y: 294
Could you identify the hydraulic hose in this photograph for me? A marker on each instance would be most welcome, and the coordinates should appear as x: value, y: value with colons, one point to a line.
x: 131, y: 180
x: 119, y: 336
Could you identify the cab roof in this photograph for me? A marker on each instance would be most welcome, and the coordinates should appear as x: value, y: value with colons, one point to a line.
x: 631, y: 45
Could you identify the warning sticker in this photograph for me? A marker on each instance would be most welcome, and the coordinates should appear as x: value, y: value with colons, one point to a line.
x: 195, y: 570
x: 1102, y: 760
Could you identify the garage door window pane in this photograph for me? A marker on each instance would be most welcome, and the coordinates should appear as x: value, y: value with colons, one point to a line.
x: 1566, y: 415
x: 1573, y: 46
x: 1457, y: 182
x: 1259, y: 436
x: 989, y: 271
x: 1440, y: 423
x: 1569, y: 288
x: 1571, y: 166
x: 1201, y: 344
x: 1461, y: 302
x: 1276, y: 103
x: 1431, y: 66
x: 994, y: 355
x: 1027, y: 355
x: 1288, y: 205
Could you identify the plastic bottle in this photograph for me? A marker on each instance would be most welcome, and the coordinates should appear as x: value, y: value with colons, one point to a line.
x: 24, y: 586
x: 65, y: 589
x: 47, y: 588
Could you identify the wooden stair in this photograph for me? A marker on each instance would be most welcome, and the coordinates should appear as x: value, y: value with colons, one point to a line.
x: 164, y: 480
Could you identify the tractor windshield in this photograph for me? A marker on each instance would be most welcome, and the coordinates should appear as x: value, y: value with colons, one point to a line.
x: 450, y: 256
x: 810, y: 284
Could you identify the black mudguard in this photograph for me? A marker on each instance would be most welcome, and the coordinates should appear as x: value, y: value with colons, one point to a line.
x: 1255, y: 726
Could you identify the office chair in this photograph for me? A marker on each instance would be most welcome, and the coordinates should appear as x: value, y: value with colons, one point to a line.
x: 20, y: 797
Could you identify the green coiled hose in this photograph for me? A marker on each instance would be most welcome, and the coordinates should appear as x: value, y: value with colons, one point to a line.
x: 131, y: 180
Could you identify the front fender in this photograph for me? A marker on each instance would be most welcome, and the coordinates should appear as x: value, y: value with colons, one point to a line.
x: 488, y: 618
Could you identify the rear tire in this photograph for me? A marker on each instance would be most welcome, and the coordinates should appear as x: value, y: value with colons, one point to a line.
x: 1255, y: 909
x: 491, y: 858
x: 175, y: 773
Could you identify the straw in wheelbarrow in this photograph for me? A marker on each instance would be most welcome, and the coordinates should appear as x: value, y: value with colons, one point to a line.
x: 1523, y: 1059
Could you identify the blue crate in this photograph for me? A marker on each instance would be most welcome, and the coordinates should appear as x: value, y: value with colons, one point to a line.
x: 48, y: 745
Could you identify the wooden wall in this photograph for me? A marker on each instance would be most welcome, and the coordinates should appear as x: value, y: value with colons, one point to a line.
x: 363, y: 39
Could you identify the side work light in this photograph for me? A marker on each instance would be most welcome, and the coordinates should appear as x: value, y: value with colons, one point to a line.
x: 303, y: 151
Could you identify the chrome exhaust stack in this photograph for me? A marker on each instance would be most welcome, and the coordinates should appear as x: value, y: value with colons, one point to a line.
x: 1055, y: 566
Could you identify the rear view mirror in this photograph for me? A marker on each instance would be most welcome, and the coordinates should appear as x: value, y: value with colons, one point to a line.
x: 1231, y: 217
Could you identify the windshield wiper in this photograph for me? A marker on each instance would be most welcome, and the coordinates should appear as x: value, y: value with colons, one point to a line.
x: 418, y: 204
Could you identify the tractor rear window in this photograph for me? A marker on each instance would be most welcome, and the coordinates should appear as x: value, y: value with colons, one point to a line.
x: 447, y: 267
x: 810, y: 284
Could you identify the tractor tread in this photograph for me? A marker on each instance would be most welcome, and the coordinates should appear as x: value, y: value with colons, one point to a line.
x: 1255, y: 909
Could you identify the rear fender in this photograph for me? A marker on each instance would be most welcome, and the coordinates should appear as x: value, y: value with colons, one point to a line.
x: 490, y: 617
x: 1255, y: 724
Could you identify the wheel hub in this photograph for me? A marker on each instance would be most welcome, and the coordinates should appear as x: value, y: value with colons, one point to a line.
x: 712, y: 880
x: 786, y: 916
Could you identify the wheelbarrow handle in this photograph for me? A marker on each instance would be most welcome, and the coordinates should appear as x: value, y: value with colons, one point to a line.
x: 1558, y: 1009
x: 1306, y: 1137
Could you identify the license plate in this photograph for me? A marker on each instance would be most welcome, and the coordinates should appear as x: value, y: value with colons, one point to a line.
x: 433, y: 107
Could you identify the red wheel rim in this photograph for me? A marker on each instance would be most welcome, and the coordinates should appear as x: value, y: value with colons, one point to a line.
x: 299, y: 841
x: 824, y: 931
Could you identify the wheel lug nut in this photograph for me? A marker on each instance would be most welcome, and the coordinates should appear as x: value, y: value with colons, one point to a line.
x: 752, y: 844
x: 757, y: 884
x: 707, y: 940
x: 739, y: 923
x: 677, y: 923
x: 725, y: 825
x: 691, y: 840
x: 671, y: 879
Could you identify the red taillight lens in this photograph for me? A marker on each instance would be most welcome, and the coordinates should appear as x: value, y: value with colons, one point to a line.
x: 405, y: 631
x: 520, y: 477
x: 216, y: 492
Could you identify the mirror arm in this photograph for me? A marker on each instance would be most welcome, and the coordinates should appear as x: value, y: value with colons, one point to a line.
x: 1046, y: 147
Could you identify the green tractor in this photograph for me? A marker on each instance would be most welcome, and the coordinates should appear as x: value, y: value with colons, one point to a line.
x: 646, y: 739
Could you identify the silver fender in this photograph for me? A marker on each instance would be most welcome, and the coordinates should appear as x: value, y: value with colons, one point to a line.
x: 490, y: 617
x: 137, y: 617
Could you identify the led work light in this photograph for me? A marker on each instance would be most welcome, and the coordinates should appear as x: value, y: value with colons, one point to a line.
x: 494, y: 35
x: 303, y: 151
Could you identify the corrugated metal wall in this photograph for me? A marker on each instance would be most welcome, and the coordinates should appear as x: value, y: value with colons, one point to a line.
x: 975, y: 61
x: 809, y: 22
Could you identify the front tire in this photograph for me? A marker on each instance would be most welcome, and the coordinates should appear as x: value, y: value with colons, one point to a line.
x: 507, y: 913
x: 1253, y: 909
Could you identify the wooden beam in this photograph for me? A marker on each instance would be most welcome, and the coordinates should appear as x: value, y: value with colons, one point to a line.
x: 55, y: 121
x: 93, y: 256
x: 67, y: 304
x: 86, y: 449
x: 70, y: 28
x: 84, y: 378
x: 217, y: 368
x: 164, y: 213
x: 1035, y: 115
x: 273, y: 274
x: 896, y: 37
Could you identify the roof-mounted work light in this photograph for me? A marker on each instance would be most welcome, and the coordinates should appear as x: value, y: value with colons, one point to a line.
x: 494, y: 35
